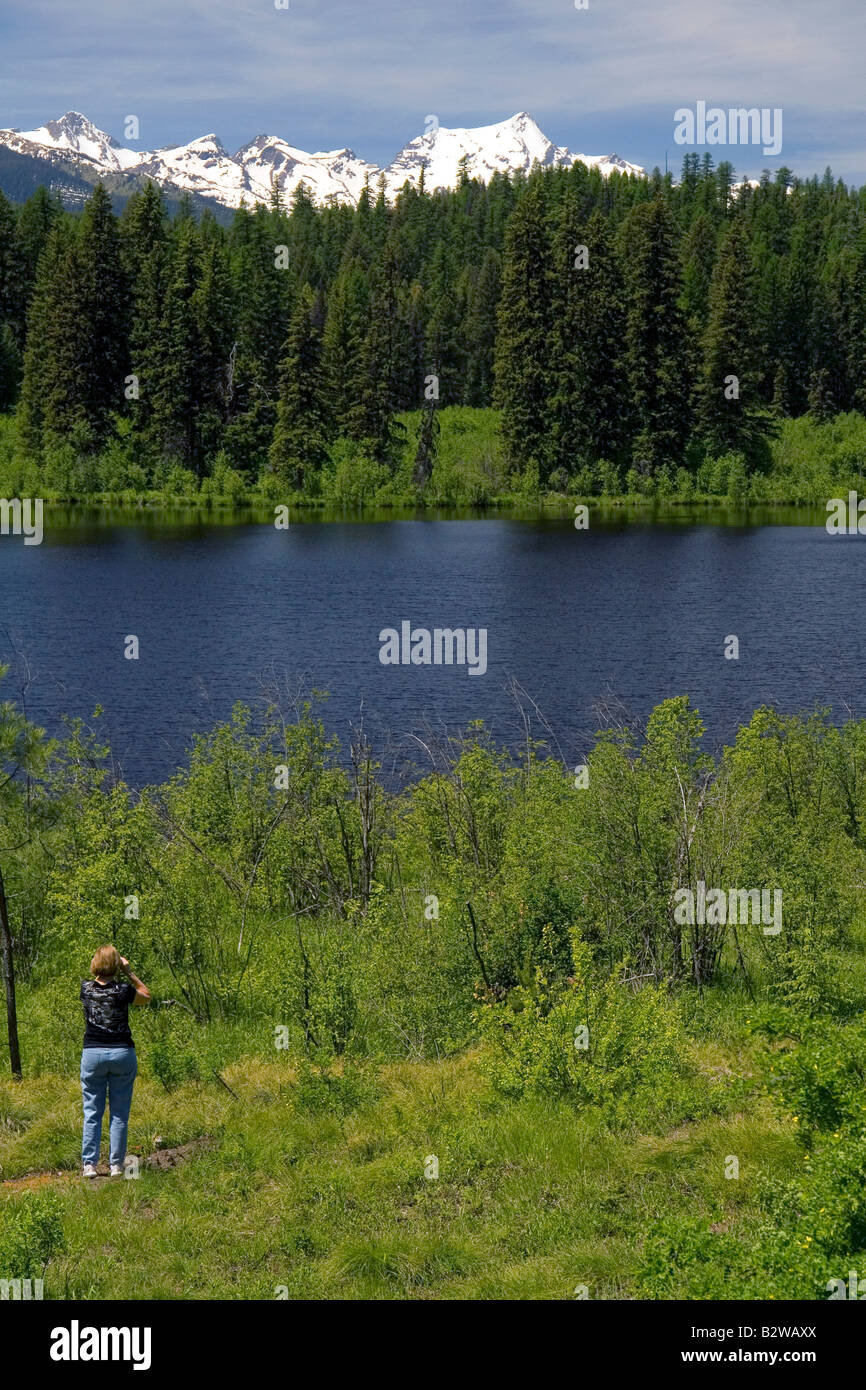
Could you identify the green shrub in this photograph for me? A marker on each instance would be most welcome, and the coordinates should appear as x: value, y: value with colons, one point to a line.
x: 813, y: 1232
x: 595, y: 1043
x: 821, y: 1082
x: 326, y: 1091
x: 30, y: 1234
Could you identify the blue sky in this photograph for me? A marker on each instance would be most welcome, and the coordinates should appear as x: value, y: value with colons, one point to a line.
x: 328, y: 73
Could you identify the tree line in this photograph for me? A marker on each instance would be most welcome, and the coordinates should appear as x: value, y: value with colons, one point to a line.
x: 639, y: 321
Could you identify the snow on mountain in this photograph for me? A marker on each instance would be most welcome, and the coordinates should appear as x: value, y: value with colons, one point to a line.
x: 511, y: 146
x: 75, y: 133
x: 340, y: 174
x: 203, y: 166
x: 206, y: 168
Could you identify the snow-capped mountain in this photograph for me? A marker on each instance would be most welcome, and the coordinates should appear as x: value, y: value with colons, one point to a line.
x: 75, y: 134
x: 511, y: 146
x: 205, y: 168
x: 340, y: 174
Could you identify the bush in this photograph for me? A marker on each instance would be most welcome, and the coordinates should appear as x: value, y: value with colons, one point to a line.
x: 30, y: 1234
x: 595, y: 1043
x: 353, y: 479
x: 820, y: 1082
x: 324, y: 1091
x: 224, y: 483
x: 813, y: 1233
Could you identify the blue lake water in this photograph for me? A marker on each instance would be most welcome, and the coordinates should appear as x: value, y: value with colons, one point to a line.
x: 639, y: 612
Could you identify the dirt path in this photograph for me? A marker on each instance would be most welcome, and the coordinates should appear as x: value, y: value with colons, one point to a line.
x: 163, y: 1159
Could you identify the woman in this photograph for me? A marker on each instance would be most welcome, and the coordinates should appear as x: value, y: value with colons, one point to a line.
x: 108, y: 1060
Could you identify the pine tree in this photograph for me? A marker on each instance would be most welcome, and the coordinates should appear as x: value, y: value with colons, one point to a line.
x: 700, y: 248
x: 656, y: 347
x: 144, y: 241
x: 425, y: 453
x: 856, y: 322
x: 522, y: 368
x: 728, y: 404
x: 76, y: 349
x: 445, y: 349
x: 264, y: 287
x: 12, y: 304
x: 479, y: 330
x: 348, y: 308
x: 31, y: 411
x: 795, y: 339
x: 588, y: 414
x: 370, y: 415
x: 299, y: 446
x: 35, y: 220
x: 103, y: 328
x: 214, y: 317
x: 175, y: 391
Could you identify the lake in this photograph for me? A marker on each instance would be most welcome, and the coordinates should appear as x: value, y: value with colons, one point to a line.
x: 634, y: 608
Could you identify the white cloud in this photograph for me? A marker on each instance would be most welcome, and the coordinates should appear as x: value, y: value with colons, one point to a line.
x: 368, y: 74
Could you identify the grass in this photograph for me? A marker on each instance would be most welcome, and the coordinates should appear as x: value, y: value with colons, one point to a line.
x: 811, y: 460
x: 301, y: 1198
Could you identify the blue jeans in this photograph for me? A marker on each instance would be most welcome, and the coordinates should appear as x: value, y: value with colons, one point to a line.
x: 110, y: 1069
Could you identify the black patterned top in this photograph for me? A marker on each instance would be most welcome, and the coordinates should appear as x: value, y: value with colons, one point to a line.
x: 106, y: 1013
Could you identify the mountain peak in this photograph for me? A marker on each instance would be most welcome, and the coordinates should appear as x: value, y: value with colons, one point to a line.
x: 202, y: 142
x: 78, y: 127
x: 73, y: 120
x: 204, y: 166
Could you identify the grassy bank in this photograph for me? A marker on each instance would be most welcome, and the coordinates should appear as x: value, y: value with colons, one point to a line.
x: 317, y: 1184
x: 450, y: 1040
x: 810, y: 462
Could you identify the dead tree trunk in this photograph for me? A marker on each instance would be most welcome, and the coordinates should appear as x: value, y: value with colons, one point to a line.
x: 9, y: 982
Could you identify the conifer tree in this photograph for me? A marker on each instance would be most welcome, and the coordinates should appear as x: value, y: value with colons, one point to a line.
x: 102, y: 341
x: 264, y: 286
x: 522, y: 368
x: 656, y: 348
x: 479, y: 331
x: 144, y: 241
x: 176, y: 384
x: 370, y: 415
x: 588, y: 408
x: 445, y: 352
x: 76, y: 349
x: 214, y: 316
x: 343, y: 339
x: 12, y: 304
x: 42, y: 321
x: 728, y: 404
x: 299, y: 446
x: 35, y: 220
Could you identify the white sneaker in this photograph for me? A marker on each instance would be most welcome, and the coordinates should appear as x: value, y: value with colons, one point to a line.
x: 90, y: 1171
x: 116, y: 1172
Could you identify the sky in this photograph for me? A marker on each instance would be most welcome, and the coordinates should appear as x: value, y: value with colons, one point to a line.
x: 324, y: 74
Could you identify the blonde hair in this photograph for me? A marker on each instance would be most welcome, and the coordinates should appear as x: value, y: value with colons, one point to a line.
x: 106, y: 961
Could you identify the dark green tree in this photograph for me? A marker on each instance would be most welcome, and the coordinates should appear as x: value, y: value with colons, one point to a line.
x: 729, y: 411
x: 657, y: 355
x: 523, y: 379
x: 588, y: 414
x: 299, y: 446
